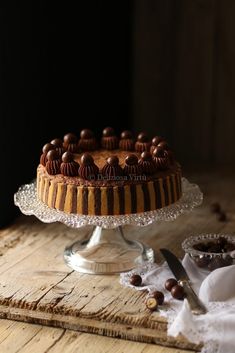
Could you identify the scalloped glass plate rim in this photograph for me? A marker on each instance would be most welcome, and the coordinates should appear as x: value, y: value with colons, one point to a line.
x: 26, y: 199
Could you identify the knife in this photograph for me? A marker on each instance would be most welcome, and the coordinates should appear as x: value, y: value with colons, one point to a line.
x: 180, y: 274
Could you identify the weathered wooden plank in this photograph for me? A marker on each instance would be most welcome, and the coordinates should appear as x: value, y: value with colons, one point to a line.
x: 48, y: 339
x: 91, y: 325
x: 41, y: 289
x: 11, y: 340
x: 21, y: 337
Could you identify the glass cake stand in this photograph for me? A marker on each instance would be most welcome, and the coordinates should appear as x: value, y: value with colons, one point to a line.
x: 107, y: 251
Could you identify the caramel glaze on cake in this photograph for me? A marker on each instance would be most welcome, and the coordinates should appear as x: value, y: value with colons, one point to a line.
x: 108, y: 181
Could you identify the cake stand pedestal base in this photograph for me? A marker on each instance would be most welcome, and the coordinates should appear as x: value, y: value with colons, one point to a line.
x: 106, y: 252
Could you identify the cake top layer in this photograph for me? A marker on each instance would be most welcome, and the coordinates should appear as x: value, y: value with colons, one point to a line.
x: 108, y: 160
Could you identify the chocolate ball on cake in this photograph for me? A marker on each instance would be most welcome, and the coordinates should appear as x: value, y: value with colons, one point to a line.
x: 143, y: 143
x: 53, y: 162
x: 132, y: 167
x: 143, y: 137
x: 146, y: 156
x: 69, y: 167
x: 52, y: 155
x: 164, y: 145
x: 126, y: 134
x: 161, y: 158
x: 87, y: 140
x: 109, y: 140
x: 127, y: 142
x: 86, y: 134
x: 155, y: 141
x: 108, y: 132
x: 47, y: 147
x: 131, y: 159
x: 70, y: 138
x: 87, y: 159
x: 147, y: 163
x: 71, y: 142
x: 88, y: 169
x: 159, y: 152
x: 43, y: 158
x: 112, y: 168
x: 113, y: 160
x: 58, y: 143
x: 67, y: 157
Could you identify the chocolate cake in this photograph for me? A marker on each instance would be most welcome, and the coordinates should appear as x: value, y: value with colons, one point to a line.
x: 113, y: 176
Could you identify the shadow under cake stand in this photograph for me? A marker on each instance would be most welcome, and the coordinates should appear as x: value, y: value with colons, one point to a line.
x: 107, y: 250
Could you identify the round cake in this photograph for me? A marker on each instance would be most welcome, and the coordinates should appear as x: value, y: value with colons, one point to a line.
x: 110, y: 176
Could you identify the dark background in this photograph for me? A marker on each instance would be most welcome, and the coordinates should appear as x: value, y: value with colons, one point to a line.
x: 166, y: 67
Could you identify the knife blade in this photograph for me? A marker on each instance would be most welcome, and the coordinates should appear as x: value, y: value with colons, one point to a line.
x: 182, y: 277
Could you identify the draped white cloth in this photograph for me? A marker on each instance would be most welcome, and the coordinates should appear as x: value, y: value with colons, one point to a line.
x: 216, y: 328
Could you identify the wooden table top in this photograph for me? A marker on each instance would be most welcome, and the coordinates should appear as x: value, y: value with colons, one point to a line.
x: 24, y: 337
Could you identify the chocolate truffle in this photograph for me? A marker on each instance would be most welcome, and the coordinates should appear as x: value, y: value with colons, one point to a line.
x: 164, y: 145
x: 69, y: 167
x: 135, y: 280
x: 131, y: 166
x: 43, y: 158
x: 142, y: 144
x: 160, y: 157
x: 47, y: 147
x: 112, y: 168
x: 86, y: 134
x: 157, y: 295
x: 53, y: 162
x: 177, y: 292
x: 108, y: 132
x: 109, y: 140
x: 147, y: 163
x: 88, y: 169
x: 170, y: 282
x: 127, y: 142
x: 87, y: 141
x: 155, y: 141
x: 71, y: 143
x: 151, y: 303
x: 58, y: 143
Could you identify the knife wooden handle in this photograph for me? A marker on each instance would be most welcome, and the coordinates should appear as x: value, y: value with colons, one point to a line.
x: 196, y: 306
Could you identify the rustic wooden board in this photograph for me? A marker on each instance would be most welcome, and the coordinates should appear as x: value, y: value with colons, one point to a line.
x: 22, y: 337
x: 37, y: 287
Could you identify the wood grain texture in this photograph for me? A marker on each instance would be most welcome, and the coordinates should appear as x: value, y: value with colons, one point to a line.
x: 37, y: 287
x: 41, y: 339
